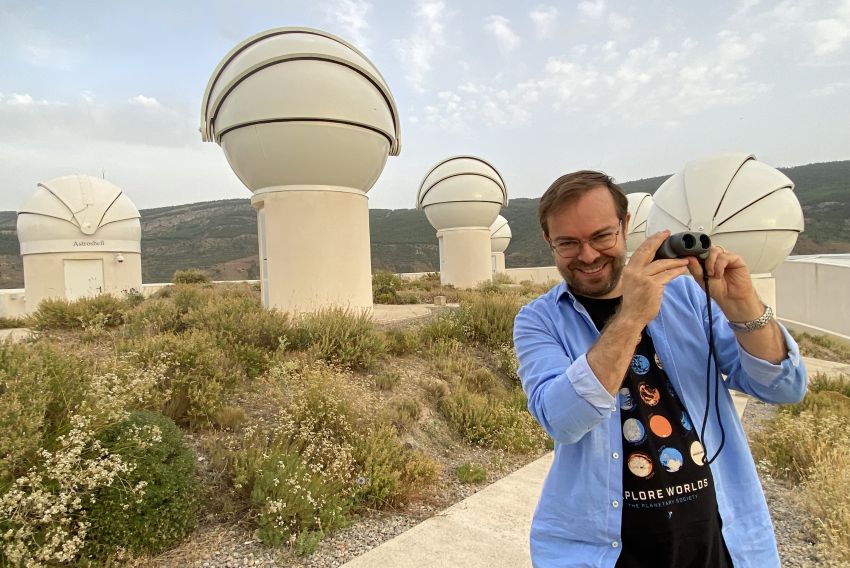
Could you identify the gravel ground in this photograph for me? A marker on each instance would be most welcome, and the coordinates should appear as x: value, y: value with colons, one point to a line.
x: 235, y: 548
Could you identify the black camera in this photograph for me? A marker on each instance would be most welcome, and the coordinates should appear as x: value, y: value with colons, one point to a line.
x: 684, y: 244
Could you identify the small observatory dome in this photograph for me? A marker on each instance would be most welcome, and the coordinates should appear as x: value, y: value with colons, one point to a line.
x: 78, y: 214
x: 80, y: 236
x: 463, y: 191
x: 298, y: 106
x: 744, y: 205
x: 500, y: 234
x: 639, y: 206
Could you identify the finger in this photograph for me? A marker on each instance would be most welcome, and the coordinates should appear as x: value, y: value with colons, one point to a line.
x: 662, y: 278
x: 695, y: 269
x: 645, y: 253
x: 714, y: 253
x: 660, y: 265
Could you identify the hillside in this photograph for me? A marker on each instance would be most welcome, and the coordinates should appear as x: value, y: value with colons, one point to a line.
x: 220, y: 237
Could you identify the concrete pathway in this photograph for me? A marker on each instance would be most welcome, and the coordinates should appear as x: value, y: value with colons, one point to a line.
x: 490, y: 528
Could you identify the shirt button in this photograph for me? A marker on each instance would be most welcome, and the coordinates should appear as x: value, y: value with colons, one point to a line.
x: 615, y: 544
x: 615, y: 504
x: 615, y: 455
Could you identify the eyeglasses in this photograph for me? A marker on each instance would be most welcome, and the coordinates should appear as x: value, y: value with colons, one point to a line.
x: 569, y: 248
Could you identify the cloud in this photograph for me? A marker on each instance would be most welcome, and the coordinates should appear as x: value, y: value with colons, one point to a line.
x: 831, y: 89
x: 139, y: 120
x: 543, y: 17
x: 351, y: 16
x: 830, y: 35
x: 592, y: 9
x: 500, y: 28
x: 418, y: 51
x: 474, y: 104
x: 618, y: 22
x: 653, y: 81
x: 143, y: 101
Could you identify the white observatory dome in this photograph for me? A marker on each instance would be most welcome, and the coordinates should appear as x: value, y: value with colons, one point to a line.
x: 463, y: 191
x: 297, y: 106
x: 639, y: 206
x: 78, y: 214
x: 744, y: 205
x: 500, y: 234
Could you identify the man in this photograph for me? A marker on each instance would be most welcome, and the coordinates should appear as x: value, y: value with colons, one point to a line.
x: 613, y: 361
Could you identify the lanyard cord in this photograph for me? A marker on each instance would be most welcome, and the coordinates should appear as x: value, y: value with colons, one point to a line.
x: 712, y: 356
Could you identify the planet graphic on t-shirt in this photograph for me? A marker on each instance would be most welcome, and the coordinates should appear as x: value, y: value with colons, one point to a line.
x: 660, y: 426
x: 686, y: 422
x: 648, y: 394
x: 633, y: 431
x: 640, y: 364
x: 627, y: 402
x: 658, y: 362
x: 671, y: 459
x: 640, y: 465
x: 698, y: 453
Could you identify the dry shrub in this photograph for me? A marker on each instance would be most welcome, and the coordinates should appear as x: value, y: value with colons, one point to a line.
x: 489, y: 318
x: 809, y: 444
x: 386, y: 381
x: 403, y: 413
x: 200, y: 375
x: 101, y: 311
x: 190, y: 276
x: 493, y: 421
x: 307, y: 466
x: 340, y: 336
x: 469, y: 472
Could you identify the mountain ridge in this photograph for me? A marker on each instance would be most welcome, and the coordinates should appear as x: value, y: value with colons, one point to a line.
x: 220, y: 237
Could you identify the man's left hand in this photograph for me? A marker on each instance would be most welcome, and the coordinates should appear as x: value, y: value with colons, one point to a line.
x: 729, y: 283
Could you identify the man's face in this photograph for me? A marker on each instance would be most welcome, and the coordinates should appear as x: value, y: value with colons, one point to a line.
x: 591, y: 273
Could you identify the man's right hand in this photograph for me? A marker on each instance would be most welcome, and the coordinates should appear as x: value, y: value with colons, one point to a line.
x: 644, y: 280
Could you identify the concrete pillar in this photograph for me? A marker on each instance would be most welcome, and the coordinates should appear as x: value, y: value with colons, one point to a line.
x: 316, y: 239
x: 464, y: 256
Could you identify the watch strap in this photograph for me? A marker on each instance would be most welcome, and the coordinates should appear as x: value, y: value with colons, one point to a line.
x: 755, y: 324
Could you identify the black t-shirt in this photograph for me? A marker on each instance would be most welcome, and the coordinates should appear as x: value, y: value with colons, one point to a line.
x: 670, y: 513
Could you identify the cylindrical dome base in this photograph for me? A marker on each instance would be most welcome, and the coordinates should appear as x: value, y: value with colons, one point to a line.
x: 72, y: 276
x: 465, y: 256
x: 497, y: 260
x: 316, y: 245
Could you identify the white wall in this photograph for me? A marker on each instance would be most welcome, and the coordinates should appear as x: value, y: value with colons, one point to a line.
x: 814, y: 296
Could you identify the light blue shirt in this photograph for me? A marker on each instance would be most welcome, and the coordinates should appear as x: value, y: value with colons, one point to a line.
x: 577, y: 521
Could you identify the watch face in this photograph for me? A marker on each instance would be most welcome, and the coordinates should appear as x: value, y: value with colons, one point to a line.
x: 640, y: 465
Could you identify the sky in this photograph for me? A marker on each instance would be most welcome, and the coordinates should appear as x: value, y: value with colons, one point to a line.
x: 635, y: 89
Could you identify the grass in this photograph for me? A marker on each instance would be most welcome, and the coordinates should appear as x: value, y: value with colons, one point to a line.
x: 808, y: 444
x: 469, y: 472
x: 301, y: 423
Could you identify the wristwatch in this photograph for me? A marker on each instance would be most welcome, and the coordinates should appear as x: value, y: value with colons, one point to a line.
x: 755, y: 324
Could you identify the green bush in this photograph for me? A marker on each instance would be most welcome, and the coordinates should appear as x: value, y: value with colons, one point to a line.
x: 340, y: 336
x: 489, y: 318
x: 101, y: 311
x: 296, y: 503
x: 40, y: 386
x: 200, y: 373
x: 403, y: 413
x: 390, y: 472
x: 164, y: 512
x: 490, y: 421
x: 448, y: 325
x: 190, y: 276
x: 12, y: 323
x: 469, y: 472
x: 385, y: 286
x: 402, y: 341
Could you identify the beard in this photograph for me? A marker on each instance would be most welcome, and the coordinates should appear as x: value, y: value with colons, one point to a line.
x: 597, y: 289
